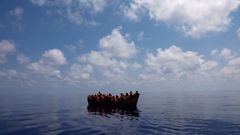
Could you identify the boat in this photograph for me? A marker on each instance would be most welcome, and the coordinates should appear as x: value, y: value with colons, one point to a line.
x: 123, y: 101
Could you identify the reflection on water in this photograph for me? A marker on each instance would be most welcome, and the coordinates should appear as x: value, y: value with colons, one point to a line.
x: 101, y: 110
x: 53, y: 113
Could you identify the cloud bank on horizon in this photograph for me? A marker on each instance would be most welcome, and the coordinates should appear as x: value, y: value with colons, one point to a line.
x: 117, y: 43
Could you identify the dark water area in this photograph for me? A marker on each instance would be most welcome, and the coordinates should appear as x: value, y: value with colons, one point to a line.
x: 158, y: 112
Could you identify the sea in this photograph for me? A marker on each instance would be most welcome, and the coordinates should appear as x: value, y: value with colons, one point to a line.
x: 160, y: 112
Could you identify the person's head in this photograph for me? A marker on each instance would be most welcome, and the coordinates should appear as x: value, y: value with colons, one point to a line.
x: 130, y: 92
x: 126, y: 94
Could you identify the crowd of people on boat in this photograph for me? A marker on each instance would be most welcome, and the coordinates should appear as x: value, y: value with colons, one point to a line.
x: 127, y: 99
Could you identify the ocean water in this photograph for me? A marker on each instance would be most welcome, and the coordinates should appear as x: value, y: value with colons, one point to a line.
x: 34, y: 112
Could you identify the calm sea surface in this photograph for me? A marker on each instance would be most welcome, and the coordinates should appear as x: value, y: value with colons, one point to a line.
x: 159, y: 112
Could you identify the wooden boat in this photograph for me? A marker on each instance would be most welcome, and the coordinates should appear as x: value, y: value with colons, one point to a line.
x: 130, y: 101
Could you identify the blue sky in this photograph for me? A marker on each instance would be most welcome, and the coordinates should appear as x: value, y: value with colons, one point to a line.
x: 103, y: 43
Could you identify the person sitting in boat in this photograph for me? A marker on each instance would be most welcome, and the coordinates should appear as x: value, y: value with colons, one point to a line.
x: 117, y: 100
x: 126, y: 99
x: 113, y: 100
x: 136, y: 94
x: 121, y: 99
x: 131, y: 94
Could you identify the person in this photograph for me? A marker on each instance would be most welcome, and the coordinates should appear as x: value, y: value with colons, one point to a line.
x: 121, y: 99
x: 136, y: 94
x: 131, y: 94
x: 117, y: 100
x: 113, y: 100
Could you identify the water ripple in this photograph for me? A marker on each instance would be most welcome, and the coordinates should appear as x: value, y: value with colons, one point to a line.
x: 168, y: 114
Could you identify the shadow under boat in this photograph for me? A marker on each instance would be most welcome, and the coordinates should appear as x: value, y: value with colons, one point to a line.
x: 110, y: 110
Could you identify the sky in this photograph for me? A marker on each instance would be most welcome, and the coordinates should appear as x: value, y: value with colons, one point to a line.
x: 120, y: 44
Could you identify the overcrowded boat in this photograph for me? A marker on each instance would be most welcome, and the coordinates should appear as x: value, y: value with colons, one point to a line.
x: 108, y: 100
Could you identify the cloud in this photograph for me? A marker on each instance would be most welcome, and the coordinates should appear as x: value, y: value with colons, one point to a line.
x: 238, y: 33
x: 8, y: 73
x: 96, y: 58
x: 214, y: 52
x: 209, y: 65
x: 136, y: 65
x: 12, y: 19
x: 194, y: 18
x: 6, y: 48
x: 112, y: 47
x: 111, y: 60
x: 49, y: 63
x: 22, y: 59
x: 76, y: 11
x: 104, y: 62
x: 39, y: 2
x: 226, y: 54
x: 233, y: 68
x: 132, y: 11
x: 173, y: 62
x: 70, y: 47
x: 117, y: 45
x: 79, y: 72
x: 54, y: 57
x: 17, y: 12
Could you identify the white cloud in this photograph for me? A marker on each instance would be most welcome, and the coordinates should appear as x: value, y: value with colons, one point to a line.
x: 136, y: 65
x: 78, y: 72
x: 8, y: 73
x: 111, y: 61
x: 44, y: 70
x: 54, y: 57
x: 232, y: 68
x: 117, y: 45
x: 194, y: 18
x: 76, y: 11
x: 38, y: 2
x: 238, y: 33
x: 96, y: 5
x: 131, y: 11
x: 104, y: 62
x: 174, y: 63
x: 209, y: 65
x: 6, y: 48
x: 97, y: 58
x: 22, y: 59
x: 70, y: 47
x: 17, y: 12
x: 173, y: 60
x: 226, y: 54
x: 114, y: 49
x: 49, y: 63
x: 214, y: 52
